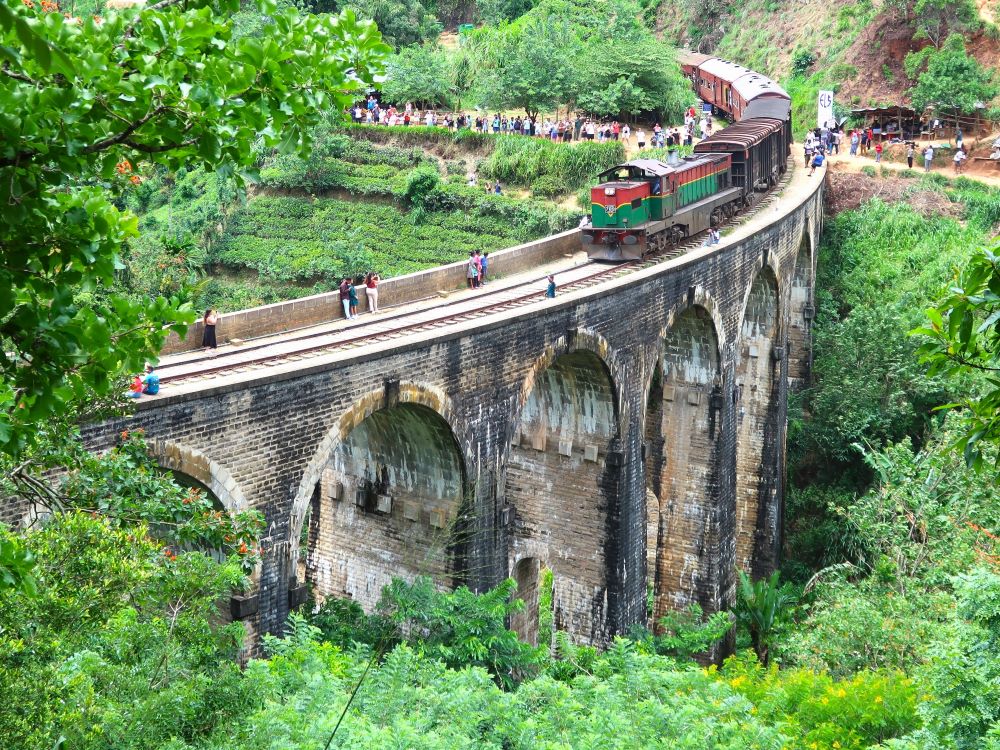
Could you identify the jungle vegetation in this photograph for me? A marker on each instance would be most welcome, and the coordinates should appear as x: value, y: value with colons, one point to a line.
x: 881, y: 630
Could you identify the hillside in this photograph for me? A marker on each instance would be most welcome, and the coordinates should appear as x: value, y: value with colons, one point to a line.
x: 857, y: 48
x: 365, y: 199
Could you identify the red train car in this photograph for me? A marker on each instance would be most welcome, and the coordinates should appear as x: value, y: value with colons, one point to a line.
x: 734, y: 90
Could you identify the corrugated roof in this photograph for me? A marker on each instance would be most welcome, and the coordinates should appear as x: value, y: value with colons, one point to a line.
x: 694, y: 59
x: 727, y: 71
x: 754, y: 84
x: 740, y: 136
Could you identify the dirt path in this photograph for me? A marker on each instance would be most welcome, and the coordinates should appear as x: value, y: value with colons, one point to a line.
x: 986, y: 10
x: 987, y: 173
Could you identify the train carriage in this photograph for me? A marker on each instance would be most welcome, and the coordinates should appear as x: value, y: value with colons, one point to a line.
x: 759, y: 149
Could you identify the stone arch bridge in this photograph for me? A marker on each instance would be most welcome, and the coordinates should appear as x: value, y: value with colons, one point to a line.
x: 623, y: 436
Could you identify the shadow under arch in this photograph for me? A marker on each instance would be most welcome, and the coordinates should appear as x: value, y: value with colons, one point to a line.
x: 759, y: 424
x: 682, y: 425
x: 389, y: 484
x: 802, y: 311
x: 563, y: 477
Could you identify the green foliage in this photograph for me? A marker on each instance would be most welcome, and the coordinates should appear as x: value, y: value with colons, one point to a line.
x: 401, y: 22
x: 878, y: 267
x: 526, y: 66
x: 687, y: 633
x: 287, y: 239
x: 817, y: 711
x: 494, y: 12
x: 419, y: 184
x: 120, y: 646
x: 420, y: 74
x: 459, y: 628
x: 963, y: 336
x: 522, y: 161
x: 952, y: 81
x: 802, y: 60
x: 761, y: 607
x: 937, y: 19
x: 16, y: 564
x: 174, y: 88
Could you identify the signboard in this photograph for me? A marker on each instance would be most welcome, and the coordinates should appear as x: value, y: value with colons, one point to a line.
x: 824, y: 116
x: 706, y: 108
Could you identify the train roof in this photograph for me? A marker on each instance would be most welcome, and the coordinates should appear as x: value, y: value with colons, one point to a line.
x: 748, y: 83
x: 692, y: 59
x: 657, y: 168
x: 741, y: 136
x: 753, y: 85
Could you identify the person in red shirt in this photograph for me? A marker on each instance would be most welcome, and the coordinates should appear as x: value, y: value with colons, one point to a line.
x: 371, y: 291
x: 878, y: 152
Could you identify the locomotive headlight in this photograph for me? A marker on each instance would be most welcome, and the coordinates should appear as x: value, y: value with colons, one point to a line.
x: 609, y: 191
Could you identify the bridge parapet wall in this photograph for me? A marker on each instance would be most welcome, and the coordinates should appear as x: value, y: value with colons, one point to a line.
x: 322, y: 308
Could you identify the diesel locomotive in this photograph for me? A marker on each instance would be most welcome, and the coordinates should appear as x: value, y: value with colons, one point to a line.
x: 647, y: 205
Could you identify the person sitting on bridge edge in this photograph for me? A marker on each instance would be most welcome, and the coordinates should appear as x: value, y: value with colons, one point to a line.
x: 550, y: 290
x: 713, y: 237
x: 135, y: 387
x: 150, y: 381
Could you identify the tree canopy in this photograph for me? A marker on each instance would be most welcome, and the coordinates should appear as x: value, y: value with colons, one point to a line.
x: 86, y: 105
x: 953, y: 81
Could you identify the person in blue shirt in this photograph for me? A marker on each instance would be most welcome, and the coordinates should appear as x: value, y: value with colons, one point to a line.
x: 817, y: 161
x: 484, y: 263
x: 550, y: 290
x: 150, y: 382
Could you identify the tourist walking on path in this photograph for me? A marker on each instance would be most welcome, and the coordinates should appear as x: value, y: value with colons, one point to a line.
x: 878, y: 152
x: 371, y: 291
x: 208, y: 337
x: 640, y: 138
x: 928, y: 158
x: 550, y: 290
x: 910, y: 153
x: 959, y: 160
x: 345, y: 297
x: 855, y: 140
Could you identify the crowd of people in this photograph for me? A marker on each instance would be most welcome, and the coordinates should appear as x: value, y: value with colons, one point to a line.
x: 558, y: 129
x: 863, y: 141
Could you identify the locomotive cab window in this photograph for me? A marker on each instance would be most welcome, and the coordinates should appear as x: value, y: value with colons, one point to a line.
x: 637, y: 203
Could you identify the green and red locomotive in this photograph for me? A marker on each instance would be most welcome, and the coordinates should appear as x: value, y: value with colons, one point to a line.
x: 646, y: 205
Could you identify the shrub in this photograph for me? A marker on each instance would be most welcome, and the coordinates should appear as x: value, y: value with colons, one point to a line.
x: 547, y: 186
x: 419, y: 184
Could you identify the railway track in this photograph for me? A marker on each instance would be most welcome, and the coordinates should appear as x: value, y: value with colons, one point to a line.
x: 306, y: 344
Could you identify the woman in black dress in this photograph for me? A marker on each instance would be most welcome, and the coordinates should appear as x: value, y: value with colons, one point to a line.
x: 208, y: 337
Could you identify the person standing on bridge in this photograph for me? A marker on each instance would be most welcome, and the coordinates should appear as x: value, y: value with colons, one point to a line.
x: 550, y: 290
x: 352, y: 293
x: 345, y: 297
x: 484, y: 264
x: 208, y: 336
x: 472, y: 271
x: 371, y: 291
